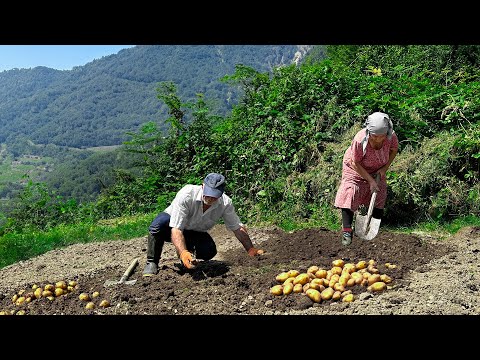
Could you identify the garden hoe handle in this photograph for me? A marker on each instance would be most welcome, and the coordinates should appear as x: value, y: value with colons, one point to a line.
x: 129, y: 270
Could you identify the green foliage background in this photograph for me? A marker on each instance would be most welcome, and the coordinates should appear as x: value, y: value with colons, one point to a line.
x: 281, y: 147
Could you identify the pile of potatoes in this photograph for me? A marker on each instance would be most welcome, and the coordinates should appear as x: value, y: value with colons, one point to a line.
x: 50, y: 292
x: 320, y: 284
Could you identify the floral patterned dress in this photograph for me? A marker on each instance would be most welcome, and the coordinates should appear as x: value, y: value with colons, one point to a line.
x: 355, y: 190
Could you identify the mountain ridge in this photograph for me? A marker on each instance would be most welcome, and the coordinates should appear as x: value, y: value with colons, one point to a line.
x: 97, y: 103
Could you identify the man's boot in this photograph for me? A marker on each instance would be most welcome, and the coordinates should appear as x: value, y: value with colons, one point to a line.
x: 154, y: 250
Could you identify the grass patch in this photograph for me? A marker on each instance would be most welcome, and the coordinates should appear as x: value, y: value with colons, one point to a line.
x: 15, y: 247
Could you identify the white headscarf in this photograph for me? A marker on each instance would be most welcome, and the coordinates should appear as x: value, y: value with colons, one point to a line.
x: 377, y: 123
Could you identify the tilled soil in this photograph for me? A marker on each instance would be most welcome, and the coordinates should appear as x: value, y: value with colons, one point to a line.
x: 432, y: 276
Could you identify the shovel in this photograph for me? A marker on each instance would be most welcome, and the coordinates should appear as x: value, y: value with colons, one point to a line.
x: 125, y: 276
x: 367, y: 227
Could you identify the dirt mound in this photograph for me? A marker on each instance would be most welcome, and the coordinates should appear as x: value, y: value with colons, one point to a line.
x: 432, y: 276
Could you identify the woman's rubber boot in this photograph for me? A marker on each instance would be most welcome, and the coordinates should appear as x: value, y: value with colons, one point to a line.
x: 347, y: 237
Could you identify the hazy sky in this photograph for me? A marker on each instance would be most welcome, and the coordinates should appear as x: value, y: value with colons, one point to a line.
x: 60, y: 57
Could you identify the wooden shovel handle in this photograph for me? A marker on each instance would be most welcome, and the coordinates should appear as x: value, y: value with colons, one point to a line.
x: 129, y: 270
x: 372, y: 202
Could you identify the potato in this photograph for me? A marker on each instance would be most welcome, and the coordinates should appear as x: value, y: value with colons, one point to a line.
x: 329, y: 275
x: 364, y: 282
x: 313, y: 269
x: 343, y: 281
x: 366, y: 274
x: 378, y: 286
x: 72, y: 283
x: 61, y: 284
x: 35, y: 286
x: 51, y: 298
x: 348, y: 298
x: 20, y: 301
x: 356, y: 275
x: 327, y: 293
x: 314, y: 285
x: 298, y: 288
x: 314, y: 295
x: 28, y: 299
x: 58, y: 291
x: 105, y: 303
x: 47, y: 293
x: 282, y: 277
x: 337, y: 270
x: 15, y: 298
x: 317, y: 281
x: 95, y: 294
x: 349, y: 267
x: 20, y: 312
x: 339, y: 287
x: 346, y: 292
x: 49, y: 287
x: 306, y: 287
x: 372, y: 262
x: 351, y: 282
x: 288, y: 281
x: 321, y: 274
x: 288, y: 288
x: 372, y: 269
x: 21, y: 292
x: 345, y: 274
x: 70, y: 288
x: 373, y: 279
x: 275, y: 290
x: 301, y: 279
x: 90, y: 306
x: 293, y: 273
x: 326, y: 282
x: 361, y: 265
x: 38, y: 293
x: 336, y: 296
x: 334, y: 279
x: 86, y: 297
x: 338, y: 263
x: 385, y: 278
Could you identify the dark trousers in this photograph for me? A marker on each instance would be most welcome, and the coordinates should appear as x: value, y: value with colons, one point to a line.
x: 199, y: 243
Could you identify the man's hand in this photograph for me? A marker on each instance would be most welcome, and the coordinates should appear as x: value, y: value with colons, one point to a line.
x: 187, y: 259
x: 254, y: 252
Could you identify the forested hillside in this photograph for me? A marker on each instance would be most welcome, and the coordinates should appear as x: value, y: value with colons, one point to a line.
x: 282, y: 145
x: 96, y: 104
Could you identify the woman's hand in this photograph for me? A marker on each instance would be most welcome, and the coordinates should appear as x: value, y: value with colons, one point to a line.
x: 383, y: 173
x: 373, y: 186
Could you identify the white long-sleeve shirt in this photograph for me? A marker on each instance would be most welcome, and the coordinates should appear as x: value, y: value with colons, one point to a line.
x: 186, y: 211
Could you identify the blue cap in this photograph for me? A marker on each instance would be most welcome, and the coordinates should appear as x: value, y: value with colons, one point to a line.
x: 214, y: 185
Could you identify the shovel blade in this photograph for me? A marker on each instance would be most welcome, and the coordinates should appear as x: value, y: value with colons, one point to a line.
x: 111, y: 283
x: 118, y: 282
x: 363, y: 232
x: 360, y: 226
